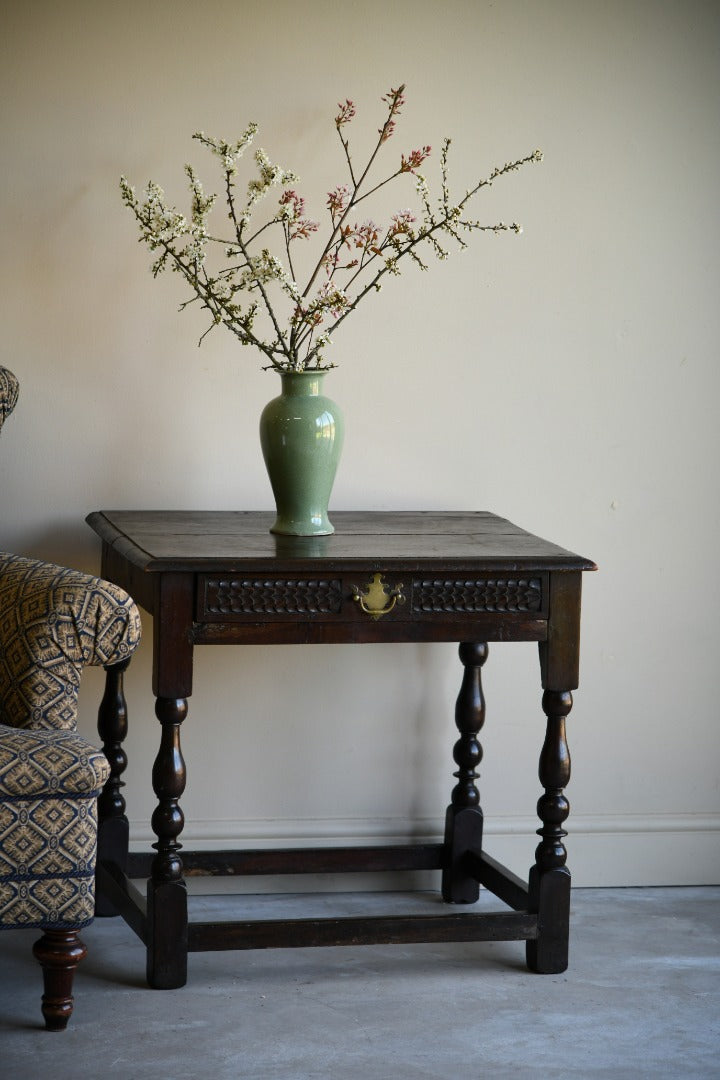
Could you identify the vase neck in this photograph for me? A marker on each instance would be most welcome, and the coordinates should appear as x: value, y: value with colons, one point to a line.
x: 302, y: 383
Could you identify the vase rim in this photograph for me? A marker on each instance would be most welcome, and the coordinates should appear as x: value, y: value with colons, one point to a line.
x: 302, y: 383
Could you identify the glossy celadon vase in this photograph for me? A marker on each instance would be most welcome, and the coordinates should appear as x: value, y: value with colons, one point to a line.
x: 301, y: 435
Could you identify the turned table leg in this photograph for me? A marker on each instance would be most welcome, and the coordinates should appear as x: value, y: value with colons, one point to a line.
x: 549, y: 883
x: 59, y: 952
x: 464, y: 818
x: 113, y: 831
x: 167, y: 894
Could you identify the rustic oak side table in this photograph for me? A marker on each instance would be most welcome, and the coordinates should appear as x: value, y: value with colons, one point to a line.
x: 221, y: 578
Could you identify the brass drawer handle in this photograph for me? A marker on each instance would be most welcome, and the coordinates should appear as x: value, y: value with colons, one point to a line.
x: 377, y: 599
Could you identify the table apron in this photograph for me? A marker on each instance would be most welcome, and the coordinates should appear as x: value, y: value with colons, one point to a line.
x: 319, y: 632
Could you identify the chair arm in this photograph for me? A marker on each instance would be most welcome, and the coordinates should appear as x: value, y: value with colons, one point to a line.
x: 49, y: 764
x: 54, y: 622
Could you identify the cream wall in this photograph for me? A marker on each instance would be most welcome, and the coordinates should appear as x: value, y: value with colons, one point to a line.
x: 566, y: 379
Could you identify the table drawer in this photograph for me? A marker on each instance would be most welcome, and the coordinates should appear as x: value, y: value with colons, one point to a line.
x: 252, y: 598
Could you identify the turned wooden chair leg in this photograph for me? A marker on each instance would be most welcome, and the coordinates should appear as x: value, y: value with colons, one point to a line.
x: 59, y: 952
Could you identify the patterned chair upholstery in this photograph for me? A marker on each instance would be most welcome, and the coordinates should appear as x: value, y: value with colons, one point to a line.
x: 53, y: 622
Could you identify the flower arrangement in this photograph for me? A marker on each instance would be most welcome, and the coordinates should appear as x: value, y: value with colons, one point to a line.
x: 254, y: 293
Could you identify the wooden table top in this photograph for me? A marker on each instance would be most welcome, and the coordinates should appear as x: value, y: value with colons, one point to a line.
x: 174, y: 540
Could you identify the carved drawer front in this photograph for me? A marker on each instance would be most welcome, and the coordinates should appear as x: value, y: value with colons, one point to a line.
x: 251, y: 598
x: 465, y: 595
x: 378, y: 596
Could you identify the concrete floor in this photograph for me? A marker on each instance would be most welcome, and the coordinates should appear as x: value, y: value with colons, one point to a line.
x: 641, y: 999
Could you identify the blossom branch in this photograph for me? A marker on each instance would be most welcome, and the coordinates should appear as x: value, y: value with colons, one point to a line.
x: 394, y: 99
x: 280, y: 339
x: 354, y: 260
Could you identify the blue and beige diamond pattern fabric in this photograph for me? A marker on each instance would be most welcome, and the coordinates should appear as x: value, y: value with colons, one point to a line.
x: 8, y: 393
x: 53, y: 622
x: 47, y: 862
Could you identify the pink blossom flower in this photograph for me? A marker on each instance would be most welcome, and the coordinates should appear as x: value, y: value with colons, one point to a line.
x: 337, y: 199
x: 347, y: 111
x: 303, y: 228
x: 414, y: 159
x: 367, y: 236
x: 386, y: 130
x: 401, y: 222
x: 395, y: 99
x: 295, y: 202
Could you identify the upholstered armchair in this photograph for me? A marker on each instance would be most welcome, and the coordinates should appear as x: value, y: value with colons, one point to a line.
x: 53, y: 622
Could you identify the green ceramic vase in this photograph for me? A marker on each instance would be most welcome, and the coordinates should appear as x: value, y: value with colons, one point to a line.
x: 301, y: 434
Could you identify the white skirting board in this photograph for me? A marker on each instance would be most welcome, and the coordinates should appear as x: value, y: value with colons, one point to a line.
x: 603, y: 851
